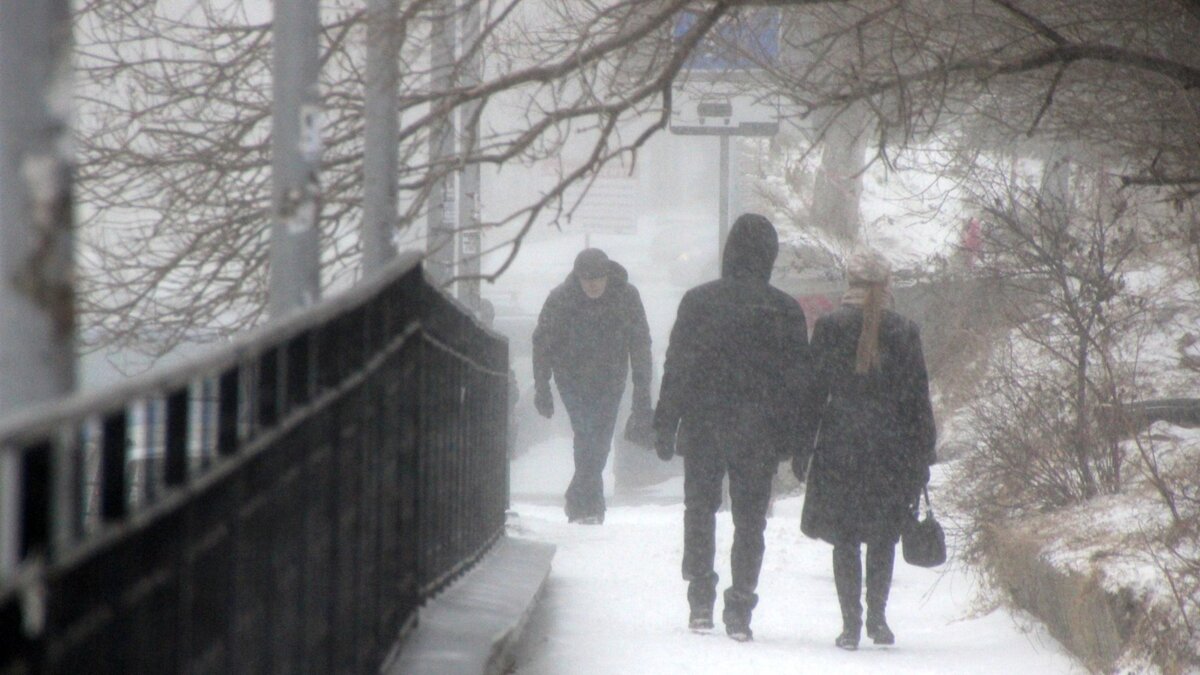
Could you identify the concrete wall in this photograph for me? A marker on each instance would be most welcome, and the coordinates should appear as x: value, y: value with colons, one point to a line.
x: 1097, y: 625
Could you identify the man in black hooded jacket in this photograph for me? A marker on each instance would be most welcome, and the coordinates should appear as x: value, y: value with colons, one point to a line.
x: 731, y: 390
x: 592, y: 327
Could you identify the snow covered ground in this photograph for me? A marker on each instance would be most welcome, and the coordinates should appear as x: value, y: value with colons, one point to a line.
x: 615, y: 602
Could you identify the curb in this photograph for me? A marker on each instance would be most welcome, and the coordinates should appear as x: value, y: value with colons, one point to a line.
x: 472, y: 627
x: 1094, y: 624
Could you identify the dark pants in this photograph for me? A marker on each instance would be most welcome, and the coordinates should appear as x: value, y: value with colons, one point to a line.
x: 593, y: 417
x: 710, y: 449
x: 847, y: 576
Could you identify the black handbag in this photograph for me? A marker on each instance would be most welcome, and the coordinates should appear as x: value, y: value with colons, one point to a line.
x: 923, y: 541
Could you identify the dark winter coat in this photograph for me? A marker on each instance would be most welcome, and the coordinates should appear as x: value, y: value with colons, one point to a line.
x: 739, y: 345
x: 589, y: 344
x: 876, y: 435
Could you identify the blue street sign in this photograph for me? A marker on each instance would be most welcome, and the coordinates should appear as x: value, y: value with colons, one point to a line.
x: 744, y: 41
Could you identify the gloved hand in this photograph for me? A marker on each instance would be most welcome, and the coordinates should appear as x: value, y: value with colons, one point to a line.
x: 543, y: 400
x: 639, y: 429
x: 666, y: 425
x: 664, y: 444
x: 799, y: 467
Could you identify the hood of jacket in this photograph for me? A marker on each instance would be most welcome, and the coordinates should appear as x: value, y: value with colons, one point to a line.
x: 618, y: 277
x: 751, y: 249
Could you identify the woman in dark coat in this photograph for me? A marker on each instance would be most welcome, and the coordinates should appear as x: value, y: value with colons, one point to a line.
x: 874, y: 445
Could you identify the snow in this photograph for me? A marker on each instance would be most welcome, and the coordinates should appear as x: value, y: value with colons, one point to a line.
x: 1124, y: 541
x: 615, y: 602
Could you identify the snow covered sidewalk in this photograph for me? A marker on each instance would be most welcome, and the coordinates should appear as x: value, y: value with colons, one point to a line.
x: 615, y: 603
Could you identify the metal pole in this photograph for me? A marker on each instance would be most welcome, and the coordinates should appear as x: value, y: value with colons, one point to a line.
x: 439, y: 238
x: 723, y: 203
x: 37, y: 295
x: 10, y: 513
x: 295, y: 278
x: 380, y: 135
x: 469, y: 213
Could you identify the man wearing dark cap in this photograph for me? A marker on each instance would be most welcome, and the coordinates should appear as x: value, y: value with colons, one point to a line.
x: 731, y: 391
x: 591, y: 330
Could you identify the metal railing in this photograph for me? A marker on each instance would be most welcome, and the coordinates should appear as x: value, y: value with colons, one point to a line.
x: 293, y: 499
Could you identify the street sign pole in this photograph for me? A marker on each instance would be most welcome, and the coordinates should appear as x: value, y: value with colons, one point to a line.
x: 715, y: 94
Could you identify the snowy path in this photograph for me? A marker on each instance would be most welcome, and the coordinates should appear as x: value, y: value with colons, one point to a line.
x: 615, y: 603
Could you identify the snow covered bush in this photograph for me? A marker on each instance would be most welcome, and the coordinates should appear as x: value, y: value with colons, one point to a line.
x: 1058, y: 253
x: 1103, y: 300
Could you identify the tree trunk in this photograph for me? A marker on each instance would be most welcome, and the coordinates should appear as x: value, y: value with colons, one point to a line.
x: 837, y: 189
x: 1082, y: 456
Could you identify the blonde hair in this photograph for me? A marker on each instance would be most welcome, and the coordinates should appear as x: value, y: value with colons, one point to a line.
x: 869, y: 271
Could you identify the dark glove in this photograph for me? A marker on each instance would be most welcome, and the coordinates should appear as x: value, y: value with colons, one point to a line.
x: 544, y: 402
x: 799, y: 467
x: 664, y: 445
x: 639, y: 429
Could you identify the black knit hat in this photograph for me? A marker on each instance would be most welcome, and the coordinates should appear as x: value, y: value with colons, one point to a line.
x: 591, y: 263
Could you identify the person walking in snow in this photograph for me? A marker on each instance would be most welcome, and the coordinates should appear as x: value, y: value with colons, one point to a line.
x: 590, y: 332
x: 735, y: 367
x: 874, y: 444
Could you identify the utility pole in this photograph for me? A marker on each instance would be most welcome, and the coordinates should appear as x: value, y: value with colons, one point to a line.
x: 439, y: 237
x: 37, y: 297
x: 295, y: 278
x: 470, y: 233
x: 380, y: 136
x: 37, y: 294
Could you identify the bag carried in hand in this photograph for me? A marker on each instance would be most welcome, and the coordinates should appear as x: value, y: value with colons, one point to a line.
x: 923, y: 541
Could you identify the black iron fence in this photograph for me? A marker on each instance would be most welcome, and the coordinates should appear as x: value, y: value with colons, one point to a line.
x: 282, y: 506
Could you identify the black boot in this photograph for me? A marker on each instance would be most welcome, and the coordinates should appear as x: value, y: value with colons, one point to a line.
x: 738, y: 606
x: 850, y: 636
x: 847, y: 577
x: 878, y: 631
x: 880, y: 560
x: 701, y: 620
x: 702, y: 595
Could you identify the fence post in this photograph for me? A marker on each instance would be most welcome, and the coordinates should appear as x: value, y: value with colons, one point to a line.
x: 295, y: 279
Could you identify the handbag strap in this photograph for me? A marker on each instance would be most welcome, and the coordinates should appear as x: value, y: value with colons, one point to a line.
x: 928, y: 506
